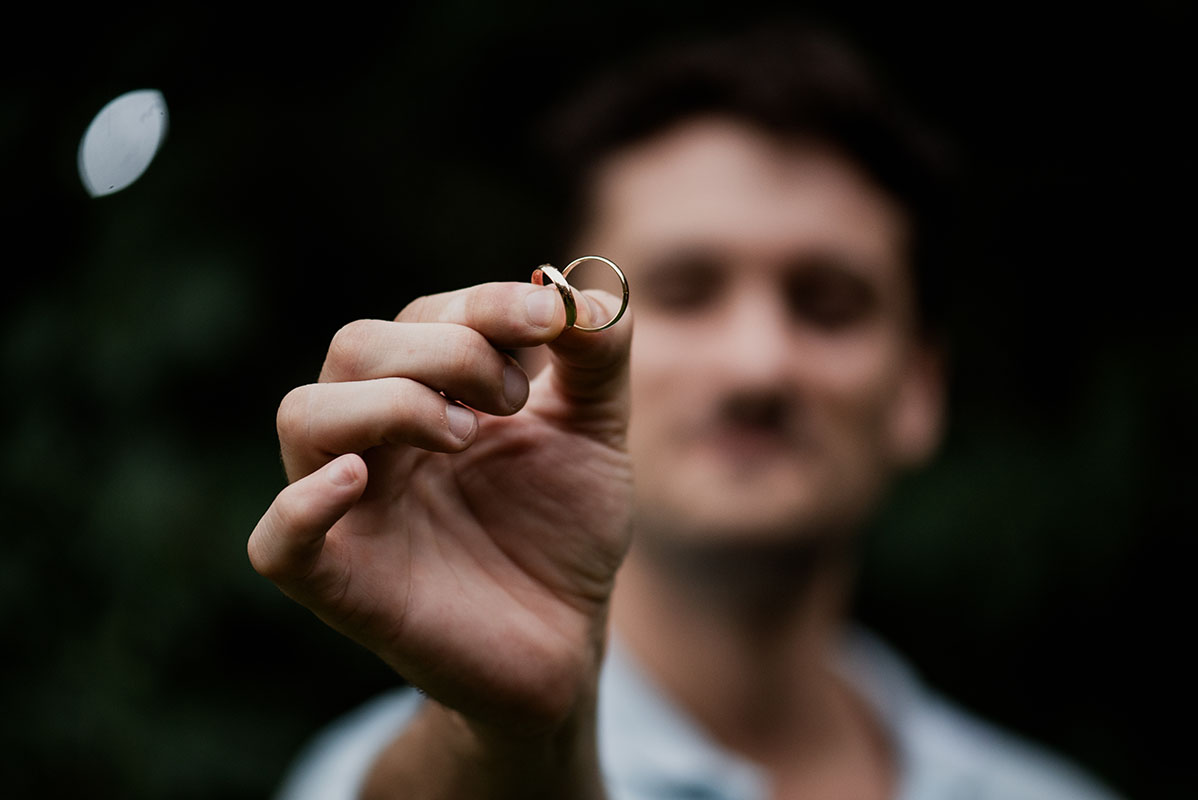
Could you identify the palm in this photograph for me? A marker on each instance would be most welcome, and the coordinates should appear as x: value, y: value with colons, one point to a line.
x: 497, y: 560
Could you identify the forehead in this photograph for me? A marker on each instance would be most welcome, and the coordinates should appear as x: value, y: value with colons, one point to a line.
x: 723, y: 186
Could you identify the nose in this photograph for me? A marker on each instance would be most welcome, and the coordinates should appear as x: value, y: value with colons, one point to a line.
x: 757, y: 338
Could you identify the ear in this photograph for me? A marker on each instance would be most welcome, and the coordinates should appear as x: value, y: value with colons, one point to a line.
x: 916, y: 422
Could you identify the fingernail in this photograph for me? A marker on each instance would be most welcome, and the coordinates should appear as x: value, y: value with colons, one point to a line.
x: 515, y: 386
x: 461, y: 421
x: 341, y: 473
x: 541, y: 306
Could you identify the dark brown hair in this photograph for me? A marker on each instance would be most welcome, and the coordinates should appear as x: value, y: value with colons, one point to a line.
x: 791, y: 80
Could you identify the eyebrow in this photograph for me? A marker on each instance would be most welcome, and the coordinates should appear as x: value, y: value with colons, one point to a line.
x: 826, y: 261
x: 699, y: 260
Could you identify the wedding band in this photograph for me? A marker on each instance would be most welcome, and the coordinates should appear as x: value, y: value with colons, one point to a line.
x: 558, y: 279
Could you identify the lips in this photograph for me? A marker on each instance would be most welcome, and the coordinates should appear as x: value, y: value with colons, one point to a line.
x: 749, y: 445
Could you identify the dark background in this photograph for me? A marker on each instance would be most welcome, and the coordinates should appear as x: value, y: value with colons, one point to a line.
x: 330, y: 166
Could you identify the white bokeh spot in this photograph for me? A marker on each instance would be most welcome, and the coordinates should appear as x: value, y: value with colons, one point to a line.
x: 121, y: 141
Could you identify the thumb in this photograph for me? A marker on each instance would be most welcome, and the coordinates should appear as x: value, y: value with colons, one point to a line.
x: 590, y: 368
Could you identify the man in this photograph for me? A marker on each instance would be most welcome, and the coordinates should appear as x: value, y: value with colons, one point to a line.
x: 467, y: 525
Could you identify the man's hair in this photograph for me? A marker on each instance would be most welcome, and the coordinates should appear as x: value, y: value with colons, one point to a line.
x: 792, y: 81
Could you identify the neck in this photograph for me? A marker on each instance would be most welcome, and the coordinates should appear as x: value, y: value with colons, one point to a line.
x: 743, y: 641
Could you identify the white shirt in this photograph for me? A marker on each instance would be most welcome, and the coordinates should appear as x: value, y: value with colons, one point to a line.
x: 650, y: 750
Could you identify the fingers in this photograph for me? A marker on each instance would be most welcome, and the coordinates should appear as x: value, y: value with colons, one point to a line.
x: 453, y: 359
x: 507, y: 314
x: 447, y: 342
x: 319, y: 421
x: 391, y: 383
x: 591, y: 366
x: 289, y: 539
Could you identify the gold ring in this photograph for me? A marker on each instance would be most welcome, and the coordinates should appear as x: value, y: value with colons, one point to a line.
x: 558, y: 279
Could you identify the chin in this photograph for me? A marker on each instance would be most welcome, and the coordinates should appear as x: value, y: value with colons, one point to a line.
x: 752, y: 555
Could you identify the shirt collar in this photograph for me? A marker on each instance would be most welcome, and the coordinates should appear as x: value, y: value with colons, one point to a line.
x: 651, y: 749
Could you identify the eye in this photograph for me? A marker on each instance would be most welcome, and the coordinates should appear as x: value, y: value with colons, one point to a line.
x: 683, y: 285
x: 831, y: 297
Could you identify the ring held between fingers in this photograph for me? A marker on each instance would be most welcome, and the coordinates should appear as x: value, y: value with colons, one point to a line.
x: 509, y: 315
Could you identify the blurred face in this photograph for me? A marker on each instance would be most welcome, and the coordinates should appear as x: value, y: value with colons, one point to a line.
x: 776, y: 378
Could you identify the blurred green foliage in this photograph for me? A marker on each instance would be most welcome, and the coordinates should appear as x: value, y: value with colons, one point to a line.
x: 319, y: 170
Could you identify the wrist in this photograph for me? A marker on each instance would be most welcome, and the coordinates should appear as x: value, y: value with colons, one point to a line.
x: 550, y: 763
x: 444, y: 754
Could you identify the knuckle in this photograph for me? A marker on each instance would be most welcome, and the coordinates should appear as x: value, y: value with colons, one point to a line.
x: 289, y: 513
x: 348, y: 347
x: 259, y: 557
x: 479, y: 306
x: 402, y: 405
x: 270, y: 547
x: 292, y: 415
x: 416, y: 416
x: 411, y: 414
x: 464, y: 351
x: 263, y: 555
x: 490, y: 308
x: 413, y: 311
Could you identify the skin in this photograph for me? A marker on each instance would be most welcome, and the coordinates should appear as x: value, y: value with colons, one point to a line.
x: 477, y: 563
x: 775, y: 363
x: 776, y: 382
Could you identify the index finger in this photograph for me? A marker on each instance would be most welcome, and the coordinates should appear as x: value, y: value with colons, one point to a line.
x: 589, y: 367
x: 508, y: 314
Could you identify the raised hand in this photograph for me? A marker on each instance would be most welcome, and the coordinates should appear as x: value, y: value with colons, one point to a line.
x: 473, y: 550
